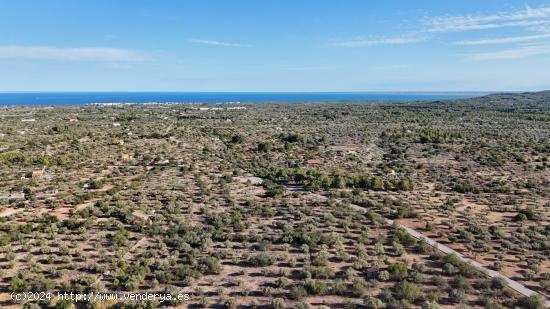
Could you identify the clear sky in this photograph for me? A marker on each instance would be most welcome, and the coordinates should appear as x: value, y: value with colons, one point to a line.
x: 274, y: 45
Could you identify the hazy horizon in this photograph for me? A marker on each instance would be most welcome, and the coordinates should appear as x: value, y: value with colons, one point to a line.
x: 260, y: 91
x: 64, y: 98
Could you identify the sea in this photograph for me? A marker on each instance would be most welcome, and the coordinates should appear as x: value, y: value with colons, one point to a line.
x: 82, y: 98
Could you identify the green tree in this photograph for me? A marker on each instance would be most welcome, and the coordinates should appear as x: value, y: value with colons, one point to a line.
x: 535, y: 301
x: 399, y: 270
x: 408, y: 291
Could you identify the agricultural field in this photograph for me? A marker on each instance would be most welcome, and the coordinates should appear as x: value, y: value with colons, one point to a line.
x: 278, y: 205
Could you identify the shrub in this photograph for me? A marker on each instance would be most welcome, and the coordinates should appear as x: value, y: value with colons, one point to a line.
x: 230, y: 303
x: 520, y: 217
x: 261, y: 260
x: 282, y: 282
x: 339, y: 287
x: 408, y: 291
x: 292, y: 262
x: 298, y: 292
x: 372, y: 302
x: 399, y: 271
x: 359, y: 286
x: 525, y: 214
x: 497, y: 265
x: 349, y: 304
x: 398, y: 248
x: 535, y: 301
x: 302, y: 306
x: 209, y: 265
x: 491, y: 304
x: 18, y: 284
x: 80, y: 285
x: 64, y: 304
x: 460, y: 282
x: 278, y: 303
x: 264, y: 146
x: 422, y: 246
x: 384, y: 275
x: 457, y: 295
x: 273, y: 189
x: 315, y: 287
x: 498, y: 283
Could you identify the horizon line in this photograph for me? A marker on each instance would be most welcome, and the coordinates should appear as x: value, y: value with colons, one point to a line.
x: 351, y: 91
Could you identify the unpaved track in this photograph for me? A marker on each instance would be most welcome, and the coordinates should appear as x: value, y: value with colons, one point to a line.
x: 8, y: 212
x: 134, y: 247
x: 520, y: 288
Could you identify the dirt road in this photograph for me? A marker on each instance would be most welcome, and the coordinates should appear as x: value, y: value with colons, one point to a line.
x: 520, y: 288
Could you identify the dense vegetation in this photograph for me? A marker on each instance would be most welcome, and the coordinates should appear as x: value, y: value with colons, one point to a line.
x: 252, y: 207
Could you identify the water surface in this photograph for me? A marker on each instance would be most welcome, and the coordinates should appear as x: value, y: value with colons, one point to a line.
x: 79, y: 98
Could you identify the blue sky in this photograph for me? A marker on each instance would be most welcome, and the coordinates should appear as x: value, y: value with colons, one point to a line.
x: 274, y: 45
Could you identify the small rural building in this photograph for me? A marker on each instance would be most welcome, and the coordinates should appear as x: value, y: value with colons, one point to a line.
x: 16, y: 195
x: 38, y: 173
x: 313, y: 162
